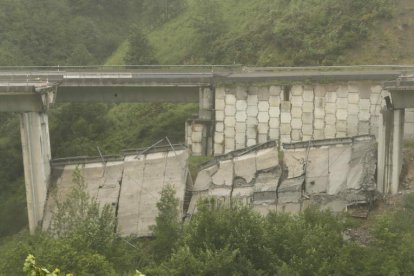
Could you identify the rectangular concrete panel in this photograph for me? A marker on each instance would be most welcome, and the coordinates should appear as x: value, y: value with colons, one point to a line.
x: 339, y: 158
x: 132, y: 186
x: 103, y: 182
x: 130, y: 196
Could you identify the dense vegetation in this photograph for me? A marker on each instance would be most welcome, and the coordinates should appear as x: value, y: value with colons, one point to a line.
x: 216, y: 241
x: 253, y: 32
x: 269, y: 32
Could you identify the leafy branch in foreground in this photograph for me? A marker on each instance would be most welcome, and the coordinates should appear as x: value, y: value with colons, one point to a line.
x: 32, y: 269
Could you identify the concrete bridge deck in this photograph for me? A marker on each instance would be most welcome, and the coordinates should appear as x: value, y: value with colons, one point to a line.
x: 173, y: 84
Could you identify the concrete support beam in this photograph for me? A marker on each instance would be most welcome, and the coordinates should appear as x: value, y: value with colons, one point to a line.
x: 27, y: 97
x: 20, y: 102
x: 34, y: 130
x: 130, y: 94
x: 398, y: 130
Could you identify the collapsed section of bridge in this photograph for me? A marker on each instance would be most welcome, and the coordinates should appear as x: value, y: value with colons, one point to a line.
x: 131, y: 184
x: 334, y: 174
x: 238, y: 108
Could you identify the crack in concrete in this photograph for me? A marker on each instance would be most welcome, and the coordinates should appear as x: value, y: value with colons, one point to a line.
x: 118, y: 198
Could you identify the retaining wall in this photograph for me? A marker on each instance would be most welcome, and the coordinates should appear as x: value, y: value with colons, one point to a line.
x: 252, y: 114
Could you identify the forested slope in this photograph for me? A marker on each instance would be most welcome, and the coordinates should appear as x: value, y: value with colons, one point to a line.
x: 313, y: 32
x: 280, y: 33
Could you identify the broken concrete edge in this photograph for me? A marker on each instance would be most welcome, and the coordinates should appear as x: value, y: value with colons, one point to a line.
x: 238, y: 153
x: 114, y: 157
x: 286, y: 146
x: 327, y: 142
x: 289, y: 193
x: 200, y: 121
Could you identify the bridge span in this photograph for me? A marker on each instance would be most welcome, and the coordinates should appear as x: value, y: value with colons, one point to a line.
x: 20, y: 88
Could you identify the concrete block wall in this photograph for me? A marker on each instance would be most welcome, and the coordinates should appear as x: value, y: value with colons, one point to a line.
x: 194, y: 137
x: 409, y: 124
x: 249, y: 115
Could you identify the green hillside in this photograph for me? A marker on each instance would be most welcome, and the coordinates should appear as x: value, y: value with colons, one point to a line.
x: 278, y: 33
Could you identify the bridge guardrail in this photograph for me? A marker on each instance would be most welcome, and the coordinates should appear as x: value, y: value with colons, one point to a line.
x: 123, y: 68
x: 367, y: 67
x: 56, y: 69
x: 56, y: 74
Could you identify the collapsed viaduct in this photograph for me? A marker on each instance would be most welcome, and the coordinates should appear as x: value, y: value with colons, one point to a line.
x: 238, y: 107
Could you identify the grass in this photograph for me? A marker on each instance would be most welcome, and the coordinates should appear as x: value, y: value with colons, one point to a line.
x: 409, y: 144
x: 117, y: 57
x: 388, y: 42
x: 172, y: 41
x: 195, y: 162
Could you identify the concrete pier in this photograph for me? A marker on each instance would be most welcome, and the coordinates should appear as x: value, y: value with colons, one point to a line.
x: 396, y: 156
x: 206, y: 111
x: 34, y: 130
x: 381, y: 154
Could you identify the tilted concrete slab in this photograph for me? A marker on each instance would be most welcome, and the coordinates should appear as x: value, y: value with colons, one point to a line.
x: 245, y: 167
x: 248, y: 176
x: 331, y: 173
x: 61, y: 186
x: 155, y: 172
x: 131, y: 196
x: 290, y: 190
x: 340, y: 157
x: 103, y: 181
x: 267, y: 158
x: 224, y: 174
x: 131, y: 185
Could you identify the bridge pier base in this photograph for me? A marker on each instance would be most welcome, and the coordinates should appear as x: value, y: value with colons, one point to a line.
x: 34, y: 129
x: 390, y: 144
x: 397, y: 145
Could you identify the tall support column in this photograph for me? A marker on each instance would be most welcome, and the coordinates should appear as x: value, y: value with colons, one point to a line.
x: 381, y: 167
x: 389, y: 127
x: 396, y: 150
x: 34, y: 131
x: 402, y: 130
x: 385, y: 150
x: 206, y: 108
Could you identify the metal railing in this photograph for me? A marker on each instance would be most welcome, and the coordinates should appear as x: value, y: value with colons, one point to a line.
x: 55, y: 74
x: 124, y: 68
x: 366, y: 67
x: 200, y: 68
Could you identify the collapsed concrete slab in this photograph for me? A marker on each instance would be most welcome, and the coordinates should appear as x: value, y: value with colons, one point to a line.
x: 131, y: 183
x: 337, y: 172
x: 331, y: 173
x: 249, y: 176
